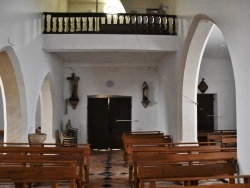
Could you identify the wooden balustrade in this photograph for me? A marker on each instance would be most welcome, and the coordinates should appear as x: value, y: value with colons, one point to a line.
x: 102, y: 23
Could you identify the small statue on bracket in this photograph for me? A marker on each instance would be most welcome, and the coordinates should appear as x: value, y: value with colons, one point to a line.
x: 145, y: 100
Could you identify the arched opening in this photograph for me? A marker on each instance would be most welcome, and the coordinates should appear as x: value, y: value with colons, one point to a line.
x: 11, y: 82
x: 3, y: 111
x: 216, y: 106
x: 44, y: 110
x: 194, y: 47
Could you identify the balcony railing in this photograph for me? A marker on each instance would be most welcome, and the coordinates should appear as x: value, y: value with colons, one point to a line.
x: 102, y: 23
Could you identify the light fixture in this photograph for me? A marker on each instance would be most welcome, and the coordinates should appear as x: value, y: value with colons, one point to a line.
x: 145, y: 100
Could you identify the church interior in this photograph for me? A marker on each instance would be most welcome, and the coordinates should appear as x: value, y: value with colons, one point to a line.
x: 122, y: 88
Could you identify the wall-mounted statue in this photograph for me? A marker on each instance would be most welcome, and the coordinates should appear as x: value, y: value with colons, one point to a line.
x: 145, y: 100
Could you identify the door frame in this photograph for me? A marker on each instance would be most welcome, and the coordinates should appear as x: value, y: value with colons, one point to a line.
x: 214, y: 106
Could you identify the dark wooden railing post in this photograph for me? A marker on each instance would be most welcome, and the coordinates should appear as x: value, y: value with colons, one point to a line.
x: 81, y: 24
x: 87, y: 23
x: 174, y: 26
x: 45, y: 24
x: 57, y: 24
x: 63, y: 24
x: 51, y: 24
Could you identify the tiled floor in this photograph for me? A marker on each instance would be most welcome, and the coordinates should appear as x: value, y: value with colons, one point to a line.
x: 108, y: 169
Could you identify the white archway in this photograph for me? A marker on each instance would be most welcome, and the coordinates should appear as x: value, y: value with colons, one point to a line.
x: 3, y: 121
x: 191, y: 58
x: 45, y: 110
x: 13, y: 97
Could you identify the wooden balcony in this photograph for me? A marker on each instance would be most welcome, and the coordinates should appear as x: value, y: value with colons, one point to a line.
x: 102, y: 23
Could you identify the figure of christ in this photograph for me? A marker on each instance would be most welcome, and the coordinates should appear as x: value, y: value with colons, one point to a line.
x: 74, y: 85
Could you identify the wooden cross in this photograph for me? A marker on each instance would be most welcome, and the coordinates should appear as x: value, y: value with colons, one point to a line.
x: 74, y: 85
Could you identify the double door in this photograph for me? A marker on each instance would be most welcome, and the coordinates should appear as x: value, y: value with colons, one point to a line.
x: 108, y: 118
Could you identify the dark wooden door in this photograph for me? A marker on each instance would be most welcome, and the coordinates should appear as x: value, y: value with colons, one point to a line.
x: 98, y: 122
x: 119, y: 120
x: 205, y: 112
x: 104, y: 128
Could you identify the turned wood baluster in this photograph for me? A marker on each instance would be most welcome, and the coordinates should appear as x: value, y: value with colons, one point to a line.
x: 75, y: 24
x: 162, y: 25
x: 51, y: 23
x: 69, y: 24
x: 45, y: 23
x: 63, y: 24
x: 167, y: 25
x: 57, y: 24
x: 100, y: 21
x: 124, y: 19
x: 174, y: 26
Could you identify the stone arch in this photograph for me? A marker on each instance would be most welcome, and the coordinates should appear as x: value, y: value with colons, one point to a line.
x: 45, y: 109
x: 13, y: 97
x: 193, y: 49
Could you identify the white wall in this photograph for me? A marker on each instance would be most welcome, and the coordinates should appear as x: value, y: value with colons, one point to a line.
x: 141, y: 5
x: 20, y: 28
x: 218, y: 75
x: 127, y: 82
x: 91, y: 6
x: 168, y: 92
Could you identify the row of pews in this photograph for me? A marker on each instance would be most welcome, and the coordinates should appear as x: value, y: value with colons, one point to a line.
x: 153, y: 158
x: 24, y: 164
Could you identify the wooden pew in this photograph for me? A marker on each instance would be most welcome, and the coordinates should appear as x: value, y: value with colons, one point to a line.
x: 188, y: 173
x: 202, y: 134
x: 27, y: 169
x: 216, y: 137
x: 165, y: 158
x: 144, y: 139
x: 79, y: 154
x: 228, y: 141
x: 130, y: 137
x: 142, y: 133
x: 175, y: 148
x: 242, y: 185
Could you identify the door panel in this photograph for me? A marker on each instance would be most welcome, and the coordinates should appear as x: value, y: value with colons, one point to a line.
x: 103, y: 129
x: 98, y: 133
x: 205, y: 112
x: 119, y: 109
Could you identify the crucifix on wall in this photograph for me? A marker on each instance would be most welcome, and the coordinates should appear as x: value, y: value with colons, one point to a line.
x: 73, y: 100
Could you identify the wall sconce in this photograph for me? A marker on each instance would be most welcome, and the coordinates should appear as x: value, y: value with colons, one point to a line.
x: 202, y: 86
x: 145, y: 100
x: 74, y: 100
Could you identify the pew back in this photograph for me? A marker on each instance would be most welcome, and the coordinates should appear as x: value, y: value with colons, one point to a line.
x: 23, y: 169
